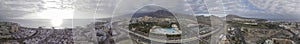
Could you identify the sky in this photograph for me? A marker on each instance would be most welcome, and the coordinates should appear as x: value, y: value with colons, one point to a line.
x: 268, y: 9
x: 65, y: 9
x: 54, y: 12
x: 90, y: 9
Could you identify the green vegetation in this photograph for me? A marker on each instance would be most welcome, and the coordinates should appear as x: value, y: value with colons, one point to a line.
x: 146, y: 26
x: 143, y: 27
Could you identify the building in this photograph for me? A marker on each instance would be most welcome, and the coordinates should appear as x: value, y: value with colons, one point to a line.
x: 269, y: 42
x: 8, y: 27
x: 224, y: 40
x: 279, y: 41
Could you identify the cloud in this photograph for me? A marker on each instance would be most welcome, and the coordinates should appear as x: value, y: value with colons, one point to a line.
x: 198, y: 6
x: 269, y: 9
x: 8, y: 14
x: 28, y: 9
x: 89, y: 9
x: 17, y: 8
x: 104, y: 9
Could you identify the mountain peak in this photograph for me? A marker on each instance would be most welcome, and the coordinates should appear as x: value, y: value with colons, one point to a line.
x: 233, y: 16
x: 158, y: 13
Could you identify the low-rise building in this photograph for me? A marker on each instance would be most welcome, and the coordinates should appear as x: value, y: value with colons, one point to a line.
x: 8, y: 28
x: 282, y: 41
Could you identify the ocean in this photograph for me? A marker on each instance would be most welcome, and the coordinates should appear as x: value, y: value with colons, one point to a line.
x: 35, y: 23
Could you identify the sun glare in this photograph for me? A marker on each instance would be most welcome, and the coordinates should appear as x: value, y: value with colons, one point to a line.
x: 57, y: 15
x: 56, y: 22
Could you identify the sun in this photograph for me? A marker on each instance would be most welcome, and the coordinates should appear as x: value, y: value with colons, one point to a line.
x: 57, y: 16
x: 56, y: 22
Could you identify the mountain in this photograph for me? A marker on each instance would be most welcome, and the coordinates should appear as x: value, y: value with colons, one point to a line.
x: 239, y: 18
x: 158, y: 14
x: 203, y: 19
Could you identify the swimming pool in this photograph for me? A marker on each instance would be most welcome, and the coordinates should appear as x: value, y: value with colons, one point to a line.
x: 169, y: 31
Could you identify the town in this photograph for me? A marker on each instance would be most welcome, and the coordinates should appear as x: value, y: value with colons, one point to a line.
x: 239, y: 30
